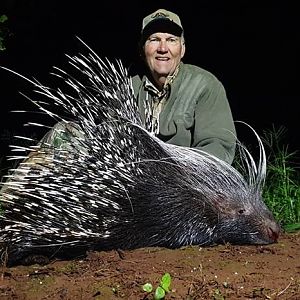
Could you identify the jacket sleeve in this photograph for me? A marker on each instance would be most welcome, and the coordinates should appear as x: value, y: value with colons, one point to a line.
x: 214, y: 130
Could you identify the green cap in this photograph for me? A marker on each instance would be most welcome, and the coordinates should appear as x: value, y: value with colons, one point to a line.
x: 162, y: 21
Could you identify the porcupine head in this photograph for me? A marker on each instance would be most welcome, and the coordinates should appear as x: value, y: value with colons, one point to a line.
x: 116, y: 185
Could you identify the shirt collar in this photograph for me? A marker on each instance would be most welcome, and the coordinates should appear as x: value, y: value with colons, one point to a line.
x: 151, y: 87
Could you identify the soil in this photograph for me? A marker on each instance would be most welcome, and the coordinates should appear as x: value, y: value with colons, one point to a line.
x: 220, y: 272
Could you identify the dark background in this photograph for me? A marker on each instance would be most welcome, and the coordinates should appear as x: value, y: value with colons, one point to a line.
x: 251, y: 46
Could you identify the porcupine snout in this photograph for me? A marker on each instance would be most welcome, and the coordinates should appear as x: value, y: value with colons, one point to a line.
x: 251, y: 231
x: 263, y: 222
x: 273, y: 230
x: 270, y: 229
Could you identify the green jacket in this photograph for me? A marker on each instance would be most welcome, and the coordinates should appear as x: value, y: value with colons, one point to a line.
x: 196, y: 114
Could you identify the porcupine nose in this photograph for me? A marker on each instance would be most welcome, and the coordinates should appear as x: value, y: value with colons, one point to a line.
x: 273, y: 231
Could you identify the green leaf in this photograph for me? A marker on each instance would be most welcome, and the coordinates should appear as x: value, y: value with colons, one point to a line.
x: 159, y: 293
x: 218, y: 295
x: 3, y: 18
x: 165, y: 282
x: 147, y: 287
x: 2, y: 47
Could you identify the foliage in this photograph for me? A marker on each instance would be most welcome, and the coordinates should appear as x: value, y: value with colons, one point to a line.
x: 4, y: 32
x: 162, y: 289
x: 282, y: 187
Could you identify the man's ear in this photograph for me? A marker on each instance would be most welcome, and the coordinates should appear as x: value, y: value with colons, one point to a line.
x: 182, y: 49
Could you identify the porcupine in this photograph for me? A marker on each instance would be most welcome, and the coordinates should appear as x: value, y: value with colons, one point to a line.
x: 116, y: 185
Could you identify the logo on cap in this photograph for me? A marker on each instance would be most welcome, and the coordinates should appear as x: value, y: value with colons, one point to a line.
x: 160, y: 14
x: 163, y: 15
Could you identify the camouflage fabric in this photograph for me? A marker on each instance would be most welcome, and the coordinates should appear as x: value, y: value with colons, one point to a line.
x: 54, y: 145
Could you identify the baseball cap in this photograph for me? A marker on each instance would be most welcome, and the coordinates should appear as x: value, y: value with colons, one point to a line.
x: 162, y: 20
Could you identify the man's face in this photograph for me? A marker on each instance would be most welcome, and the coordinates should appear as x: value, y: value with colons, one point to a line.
x: 163, y: 52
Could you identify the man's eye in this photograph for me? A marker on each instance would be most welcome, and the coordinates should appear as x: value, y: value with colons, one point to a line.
x: 173, y: 40
x: 153, y: 40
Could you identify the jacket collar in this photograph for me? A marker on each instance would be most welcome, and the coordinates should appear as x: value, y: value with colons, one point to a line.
x: 153, y: 89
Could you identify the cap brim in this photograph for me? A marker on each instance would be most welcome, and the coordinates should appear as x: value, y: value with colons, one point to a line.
x: 161, y: 25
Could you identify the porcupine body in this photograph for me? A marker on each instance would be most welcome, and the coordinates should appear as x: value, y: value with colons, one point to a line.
x: 116, y: 186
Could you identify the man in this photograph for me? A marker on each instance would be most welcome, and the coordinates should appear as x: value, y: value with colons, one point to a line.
x: 189, y: 104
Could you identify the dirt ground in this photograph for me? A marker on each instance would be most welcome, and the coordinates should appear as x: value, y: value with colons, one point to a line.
x: 221, y: 272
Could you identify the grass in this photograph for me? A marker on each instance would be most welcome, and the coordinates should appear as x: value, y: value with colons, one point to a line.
x: 282, y: 187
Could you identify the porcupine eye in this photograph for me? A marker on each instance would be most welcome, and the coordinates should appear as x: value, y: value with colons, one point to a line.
x: 241, y: 211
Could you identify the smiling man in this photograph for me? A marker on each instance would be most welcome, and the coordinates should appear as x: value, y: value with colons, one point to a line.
x: 189, y: 104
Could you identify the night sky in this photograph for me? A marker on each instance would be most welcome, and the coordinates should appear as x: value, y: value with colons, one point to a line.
x: 251, y: 46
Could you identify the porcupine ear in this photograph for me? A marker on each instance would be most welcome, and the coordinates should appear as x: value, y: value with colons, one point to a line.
x: 254, y: 172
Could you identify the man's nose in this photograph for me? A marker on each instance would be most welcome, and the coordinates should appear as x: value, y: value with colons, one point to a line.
x: 163, y: 47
